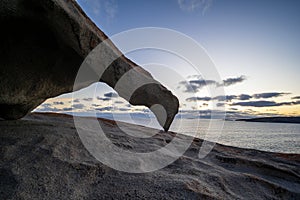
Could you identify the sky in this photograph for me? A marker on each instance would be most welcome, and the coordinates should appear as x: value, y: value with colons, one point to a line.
x: 255, y: 46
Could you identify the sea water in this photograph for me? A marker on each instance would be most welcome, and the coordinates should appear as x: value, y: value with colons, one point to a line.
x: 274, y: 137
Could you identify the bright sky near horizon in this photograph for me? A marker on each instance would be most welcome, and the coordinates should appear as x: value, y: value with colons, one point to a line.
x: 255, y: 46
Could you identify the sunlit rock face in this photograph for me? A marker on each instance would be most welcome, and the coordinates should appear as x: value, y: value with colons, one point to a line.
x: 43, y: 44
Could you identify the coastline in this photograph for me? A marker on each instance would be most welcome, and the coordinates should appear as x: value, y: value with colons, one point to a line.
x: 290, y: 120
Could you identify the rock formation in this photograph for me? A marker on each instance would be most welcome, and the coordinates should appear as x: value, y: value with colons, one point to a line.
x: 43, y: 44
x: 42, y: 157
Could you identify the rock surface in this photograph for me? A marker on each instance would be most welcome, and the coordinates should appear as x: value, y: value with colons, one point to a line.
x: 43, y: 44
x: 42, y: 157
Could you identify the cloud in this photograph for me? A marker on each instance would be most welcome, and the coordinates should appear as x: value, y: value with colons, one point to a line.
x: 232, y: 81
x: 78, y: 106
x: 193, y: 5
x: 76, y: 100
x: 219, y: 98
x: 111, y: 95
x: 255, y: 103
x: 109, y: 8
x: 296, y: 97
x: 118, y: 102
x: 202, y: 83
x: 108, y: 108
x: 230, y: 114
x: 58, y: 103
x: 198, y: 99
x: 67, y: 109
x: 46, y: 107
x: 103, y: 99
x: 195, y: 85
x: 87, y: 99
x: 220, y: 104
x: 244, y: 97
x: 290, y: 103
x: 241, y: 97
x: 265, y: 103
x: 268, y: 95
x: 225, y: 98
x: 124, y: 109
x: 96, y: 105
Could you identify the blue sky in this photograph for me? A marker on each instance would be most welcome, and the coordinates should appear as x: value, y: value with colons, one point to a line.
x: 257, y: 40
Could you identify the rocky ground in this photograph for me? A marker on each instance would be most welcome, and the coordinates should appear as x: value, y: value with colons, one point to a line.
x: 42, y: 157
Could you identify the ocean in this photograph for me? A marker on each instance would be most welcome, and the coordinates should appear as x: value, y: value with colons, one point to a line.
x: 273, y: 137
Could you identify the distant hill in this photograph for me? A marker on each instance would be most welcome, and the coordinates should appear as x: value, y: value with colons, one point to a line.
x: 273, y: 119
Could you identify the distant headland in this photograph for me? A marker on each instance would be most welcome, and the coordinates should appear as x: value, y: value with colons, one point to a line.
x: 295, y: 120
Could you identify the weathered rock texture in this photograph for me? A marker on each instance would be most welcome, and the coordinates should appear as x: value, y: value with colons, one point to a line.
x: 43, y: 44
x: 42, y: 157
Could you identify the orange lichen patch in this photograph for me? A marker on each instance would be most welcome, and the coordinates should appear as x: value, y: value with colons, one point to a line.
x: 108, y: 122
x: 227, y: 149
x: 52, y: 114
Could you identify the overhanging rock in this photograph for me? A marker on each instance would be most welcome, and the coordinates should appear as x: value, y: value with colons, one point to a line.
x: 43, y: 44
